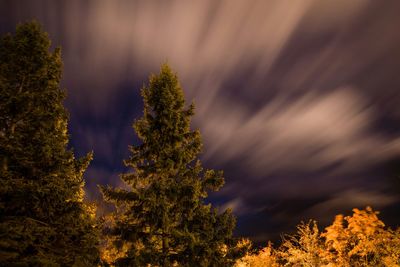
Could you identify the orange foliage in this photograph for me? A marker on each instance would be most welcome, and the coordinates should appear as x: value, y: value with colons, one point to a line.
x: 357, y: 240
x: 266, y: 257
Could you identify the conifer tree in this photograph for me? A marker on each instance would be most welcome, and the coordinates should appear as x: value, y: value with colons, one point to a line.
x: 163, y: 218
x: 43, y: 220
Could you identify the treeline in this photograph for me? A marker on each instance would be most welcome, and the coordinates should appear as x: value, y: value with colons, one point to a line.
x: 161, y: 218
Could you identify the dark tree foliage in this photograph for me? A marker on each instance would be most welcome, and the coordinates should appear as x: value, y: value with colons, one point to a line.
x: 43, y: 220
x: 163, y: 218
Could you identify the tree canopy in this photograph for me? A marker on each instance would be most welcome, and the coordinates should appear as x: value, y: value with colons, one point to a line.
x: 163, y: 218
x: 357, y: 240
x: 43, y: 220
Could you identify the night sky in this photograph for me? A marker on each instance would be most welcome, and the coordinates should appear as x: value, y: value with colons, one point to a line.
x: 297, y: 101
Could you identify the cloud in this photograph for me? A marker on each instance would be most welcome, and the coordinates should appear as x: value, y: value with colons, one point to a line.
x: 293, y: 98
x: 106, y: 43
x: 203, y: 40
x: 239, y: 207
x: 341, y: 202
x: 304, y: 134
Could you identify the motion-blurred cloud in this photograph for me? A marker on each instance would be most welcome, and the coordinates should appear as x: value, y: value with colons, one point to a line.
x: 293, y: 98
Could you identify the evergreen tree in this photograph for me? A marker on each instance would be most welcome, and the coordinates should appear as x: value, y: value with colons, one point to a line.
x: 43, y: 220
x: 163, y: 219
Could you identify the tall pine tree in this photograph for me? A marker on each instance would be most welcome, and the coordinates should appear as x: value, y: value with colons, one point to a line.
x: 43, y: 220
x: 163, y: 219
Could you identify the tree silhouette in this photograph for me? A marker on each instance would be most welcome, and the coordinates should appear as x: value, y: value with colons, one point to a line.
x: 163, y: 218
x: 43, y: 220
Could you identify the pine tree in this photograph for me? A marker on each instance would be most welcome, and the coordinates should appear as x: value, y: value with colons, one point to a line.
x: 43, y: 220
x: 163, y: 219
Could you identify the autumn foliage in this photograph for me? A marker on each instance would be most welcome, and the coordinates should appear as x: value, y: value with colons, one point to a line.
x: 357, y: 240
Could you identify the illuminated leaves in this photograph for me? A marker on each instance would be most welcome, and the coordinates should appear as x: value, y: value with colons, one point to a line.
x: 303, y: 248
x: 360, y: 237
x: 357, y: 240
x: 266, y: 257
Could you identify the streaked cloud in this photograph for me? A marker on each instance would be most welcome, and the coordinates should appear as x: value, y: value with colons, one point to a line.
x: 340, y: 202
x: 293, y: 98
x: 304, y: 134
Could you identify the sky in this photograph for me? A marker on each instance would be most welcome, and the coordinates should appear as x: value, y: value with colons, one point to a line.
x: 297, y: 101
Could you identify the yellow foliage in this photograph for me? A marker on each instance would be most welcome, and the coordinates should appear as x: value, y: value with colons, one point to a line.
x: 336, y: 242
x: 357, y: 240
x: 266, y: 257
x: 305, y: 248
x: 360, y: 238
